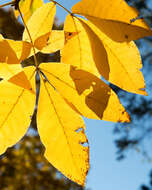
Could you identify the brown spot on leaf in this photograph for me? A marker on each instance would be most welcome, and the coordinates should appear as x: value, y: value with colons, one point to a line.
x: 126, y: 36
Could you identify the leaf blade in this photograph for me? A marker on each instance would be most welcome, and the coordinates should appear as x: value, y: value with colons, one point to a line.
x: 14, y: 121
x: 61, y: 123
x: 117, y: 15
x: 41, y: 30
x: 88, y: 94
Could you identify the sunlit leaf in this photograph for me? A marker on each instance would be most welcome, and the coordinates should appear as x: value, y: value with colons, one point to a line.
x: 28, y: 7
x: 92, y: 50
x: 114, y: 19
x: 63, y: 134
x: 55, y: 42
x: 17, y: 106
x: 40, y: 25
x: 13, y: 52
x: 85, y: 93
x: 83, y: 53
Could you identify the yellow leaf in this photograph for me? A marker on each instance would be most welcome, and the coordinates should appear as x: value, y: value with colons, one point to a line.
x: 17, y: 106
x: 28, y: 7
x: 124, y: 63
x: 83, y: 52
x: 16, y: 52
x: 62, y: 132
x: 40, y: 25
x: 55, y: 42
x: 113, y: 16
x: 86, y: 93
x: 93, y: 51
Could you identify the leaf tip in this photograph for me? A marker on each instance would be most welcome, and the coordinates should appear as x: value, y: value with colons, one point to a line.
x: 125, y: 117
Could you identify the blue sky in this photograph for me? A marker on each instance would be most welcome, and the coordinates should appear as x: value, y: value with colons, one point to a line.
x: 105, y: 172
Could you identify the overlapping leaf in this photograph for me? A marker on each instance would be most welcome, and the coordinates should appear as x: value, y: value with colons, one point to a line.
x: 13, y: 52
x: 86, y: 94
x: 40, y: 25
x: 113, y: 18
x: 94, y: 51
x: 55, y: 42
x: 62, y: 124
x: 17, y: 105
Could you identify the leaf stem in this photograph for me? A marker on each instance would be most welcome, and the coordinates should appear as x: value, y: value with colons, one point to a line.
x: 62, y: 7
x: 35, y: 59
x: 6, y: 4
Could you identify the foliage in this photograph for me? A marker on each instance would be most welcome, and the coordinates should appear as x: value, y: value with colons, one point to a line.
x: 23, y: 166
x: 72, y: 88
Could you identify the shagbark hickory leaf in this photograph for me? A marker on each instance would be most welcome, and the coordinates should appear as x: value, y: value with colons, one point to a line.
x: 79, y: 47
x: 113, y: 16
x: 61, y: 123
x: 92, y: 50
x: 86, y: 93
x: 40, y: 25
x: 28, y: 7
x: 17, y: 105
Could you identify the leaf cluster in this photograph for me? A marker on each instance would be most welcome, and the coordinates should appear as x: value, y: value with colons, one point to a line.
x: 99, y: 45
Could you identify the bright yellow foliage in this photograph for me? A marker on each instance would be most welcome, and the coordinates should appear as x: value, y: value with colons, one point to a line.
x: 17, y: 105
x: 85, y: 93
x: 28, y: 7
x: 55, y: 42
x: 113, y: 16
x: 8, y: 70
x: 62, y: 124
x: 95, y: 52
x: 40, y: 25
x: 16, y: 52
x: 99, y: 46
